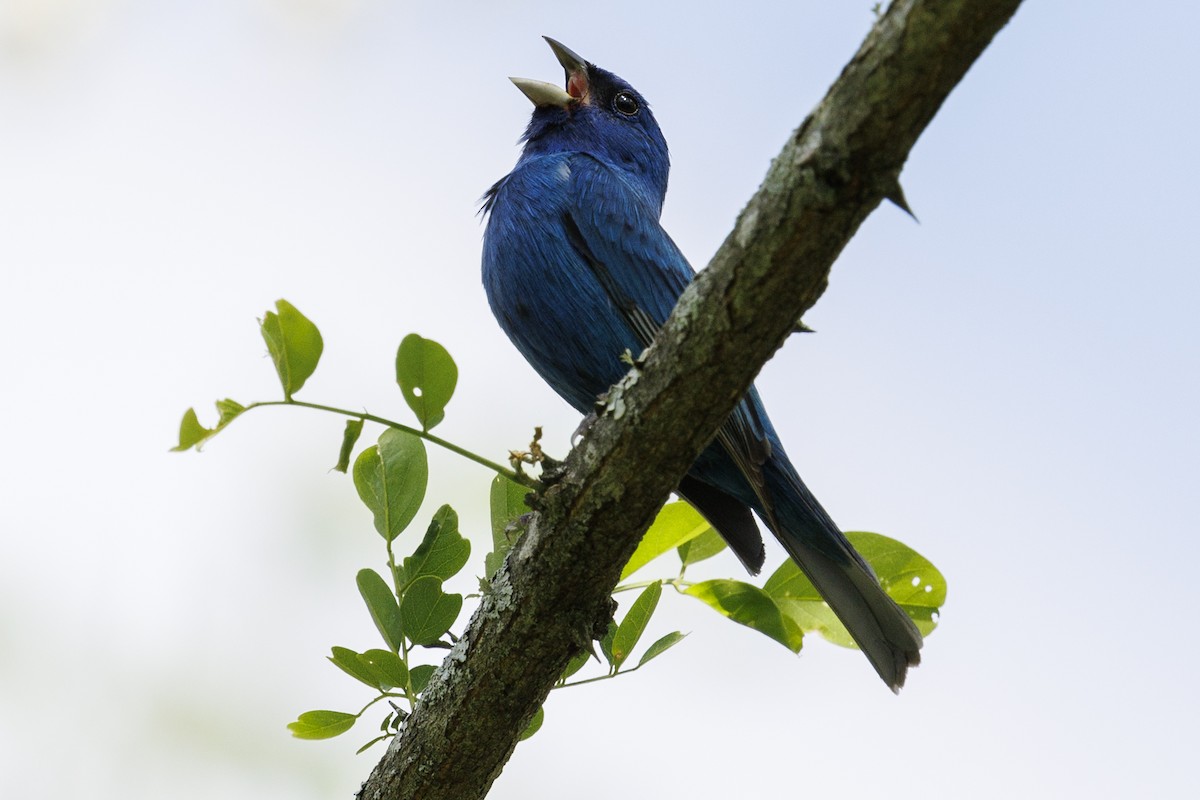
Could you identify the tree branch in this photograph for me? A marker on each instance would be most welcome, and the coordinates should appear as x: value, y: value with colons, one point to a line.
x: 553, y: 594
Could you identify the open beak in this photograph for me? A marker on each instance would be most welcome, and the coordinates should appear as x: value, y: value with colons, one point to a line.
x: 541, y: 93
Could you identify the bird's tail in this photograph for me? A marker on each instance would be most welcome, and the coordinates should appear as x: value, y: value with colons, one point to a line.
x: 887, y: 635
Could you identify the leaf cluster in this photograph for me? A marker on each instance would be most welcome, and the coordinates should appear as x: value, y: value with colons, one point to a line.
x: 408, y: 603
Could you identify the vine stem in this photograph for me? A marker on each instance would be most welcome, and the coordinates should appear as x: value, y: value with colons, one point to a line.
x: 607, y: 677
x: 512, y: 475
x: 678, y: 584
x: 382, y: 696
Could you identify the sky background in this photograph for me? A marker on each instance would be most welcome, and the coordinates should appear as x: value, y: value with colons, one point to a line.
x: 1010, y: 387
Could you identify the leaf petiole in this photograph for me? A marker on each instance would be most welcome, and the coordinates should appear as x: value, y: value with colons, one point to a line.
x: 522, y: 479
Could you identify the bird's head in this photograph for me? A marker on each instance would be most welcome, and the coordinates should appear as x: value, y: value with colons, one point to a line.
x: 597, y: 113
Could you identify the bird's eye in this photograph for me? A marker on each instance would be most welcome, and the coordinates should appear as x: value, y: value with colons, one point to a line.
x: 625, y: 103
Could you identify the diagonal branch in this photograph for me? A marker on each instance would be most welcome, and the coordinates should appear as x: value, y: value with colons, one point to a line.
x: 553, y: 594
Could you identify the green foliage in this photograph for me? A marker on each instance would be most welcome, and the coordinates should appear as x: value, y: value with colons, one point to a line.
x: 535, y: 724
x: 634, y: 625
x: 351, y: 663
x: 676, y: 525
x: 193, y: 434
x: 507, y: 503
x: 391, y: 669
x: 575, y: 664
x: 350, y: 436
x: 321, y: 724
x: 380, y: 669
x: 294, y: 343
x: 427, y: 376
x: 441, y: 554
x: 751, y: 606
x: 704, y: 546
x: 391, y: 478
x: 420, y: 675
x: 606, y: 644
x: 661, y: 646
x: 382, y: 605
x: 908, y: 577
x: 427, y: 612
x: 408, y: 603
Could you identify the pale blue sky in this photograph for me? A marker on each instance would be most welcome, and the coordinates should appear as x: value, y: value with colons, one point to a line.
x: 1009, y: 387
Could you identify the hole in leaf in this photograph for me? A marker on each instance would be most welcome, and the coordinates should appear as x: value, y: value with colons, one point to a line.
x: 916, y: 581
x: 416, y: 391
x: 928, y: 588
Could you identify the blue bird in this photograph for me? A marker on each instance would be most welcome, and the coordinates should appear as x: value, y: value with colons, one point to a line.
x: 578, y: 271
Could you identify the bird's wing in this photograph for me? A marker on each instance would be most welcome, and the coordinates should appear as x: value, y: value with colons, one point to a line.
x: 617, y: 234
x: 615, y: 231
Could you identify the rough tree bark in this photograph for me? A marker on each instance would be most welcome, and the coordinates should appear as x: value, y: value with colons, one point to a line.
x: 553, y: 594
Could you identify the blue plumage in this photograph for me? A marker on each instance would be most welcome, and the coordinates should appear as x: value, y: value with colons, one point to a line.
x: 578, y: 271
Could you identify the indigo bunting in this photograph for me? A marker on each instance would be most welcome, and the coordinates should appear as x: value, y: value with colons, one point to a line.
x: 578, y: 271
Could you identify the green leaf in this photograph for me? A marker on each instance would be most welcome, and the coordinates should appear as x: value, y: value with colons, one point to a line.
x: 788, y: 581
x: 443, y: 551
x: 908, y: 577
x: 193, y: 434
x: 810, y: 616
x: 750, y: 606
x: 426, y: 611
x: 675, y: 524
x: 420, y: 675
x: 294, y: 344
x: 371, y: 743
x: 348, y: 662
x: 321, y: 724
x: 381, y: 602
x: 606, y: 641
x: 706, y: 545
x: 662, y: 645
x: 427, y: 376
x: 388, y: 666
x: 801, y: 603
x: 634, y: 624
x: 507, y: 504
x: 227, y: 411
x: 349, y: 439
x: 391, y: 478
x: 534, y: 725
x: 576, y: 664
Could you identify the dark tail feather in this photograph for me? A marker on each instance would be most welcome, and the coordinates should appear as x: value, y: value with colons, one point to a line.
x: 887, y: 635
x: 732, y: 519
